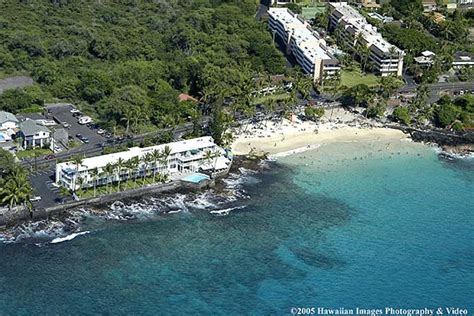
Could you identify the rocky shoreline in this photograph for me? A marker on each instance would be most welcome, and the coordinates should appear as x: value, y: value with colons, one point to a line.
x: 451, y: 143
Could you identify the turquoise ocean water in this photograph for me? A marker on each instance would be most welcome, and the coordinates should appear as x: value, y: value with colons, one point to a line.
x: 367, y: 225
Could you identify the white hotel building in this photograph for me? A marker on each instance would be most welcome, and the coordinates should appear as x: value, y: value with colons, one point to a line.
x: 388, y: 59
x: 305, y: 44
x: 185, y: 157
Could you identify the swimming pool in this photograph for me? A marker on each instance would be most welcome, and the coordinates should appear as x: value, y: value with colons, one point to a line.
x: 196, y: 177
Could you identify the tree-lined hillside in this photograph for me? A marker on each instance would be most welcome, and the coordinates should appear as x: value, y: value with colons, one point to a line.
x: 131, y: 58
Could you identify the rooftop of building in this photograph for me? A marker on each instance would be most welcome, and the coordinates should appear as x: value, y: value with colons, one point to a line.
x: 186, y: 97
x: 352, y: 17
x: 463, y: 56
x: 176, y: 147
x: 308, y: 40
x: 427, y: 53
x: 7, y: 117
x: 29, y: 127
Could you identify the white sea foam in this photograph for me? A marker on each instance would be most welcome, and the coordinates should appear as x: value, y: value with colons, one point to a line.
x: 203, y: 201
x: 68, y: 237
x: 292, y: 152
x: 83, y: 219
x: 226, y: 211
x: 449, y: 155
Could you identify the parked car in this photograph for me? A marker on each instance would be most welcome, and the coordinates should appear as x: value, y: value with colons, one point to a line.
x: 79, y: 136
x: 66, y: 124
x: 83, y: 120
x: 76, y: 114
x: 49, y: 157
x: 75, y: 111
x: 35, y: 198
x: 100, y: 131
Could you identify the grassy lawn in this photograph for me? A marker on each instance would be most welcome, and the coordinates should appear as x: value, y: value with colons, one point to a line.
x: 350, y: 78
x: 73, y: 144
x: 309, y: 12
x: 124, y: 185
x: 276, y: 96
x: 30, y: 153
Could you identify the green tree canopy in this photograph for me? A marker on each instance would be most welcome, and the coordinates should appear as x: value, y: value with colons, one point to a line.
x: 402, y: 115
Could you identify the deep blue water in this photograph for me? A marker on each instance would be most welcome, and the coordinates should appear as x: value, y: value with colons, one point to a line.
x: 346, y: 225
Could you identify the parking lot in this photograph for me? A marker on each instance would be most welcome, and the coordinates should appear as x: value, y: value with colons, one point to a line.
x: 62, y: 114
x: 42, y: 183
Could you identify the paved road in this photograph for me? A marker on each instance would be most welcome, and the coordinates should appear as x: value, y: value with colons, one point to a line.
x: 437, y: 89
x: 15, y: 82
x: 444, y: 86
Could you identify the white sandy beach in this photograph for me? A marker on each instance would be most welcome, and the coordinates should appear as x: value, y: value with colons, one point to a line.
x: 281, y: 137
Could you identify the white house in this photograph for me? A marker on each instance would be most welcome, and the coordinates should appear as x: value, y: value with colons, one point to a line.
x: 34, y: 134
x: 184, y: 157
x: 7, y: 121
x: 426, y: 58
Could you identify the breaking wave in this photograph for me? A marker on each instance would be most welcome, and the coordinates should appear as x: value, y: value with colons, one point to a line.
x: 292, y: 152
x: 451, y: 155
x: 226, y: 211
x: 81, y: 221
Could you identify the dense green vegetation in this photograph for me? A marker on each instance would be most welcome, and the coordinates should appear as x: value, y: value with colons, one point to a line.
x: 425, y: 31
x: 15, y: 188
x: 126, y: 62
x: 458, y: 114
x: 412, y: 41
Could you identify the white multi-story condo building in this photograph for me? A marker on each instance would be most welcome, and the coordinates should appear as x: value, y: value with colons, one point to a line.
x: 176, y: 160
x: 387, y: 58
x: 305, y: 44
x: 463, y: 59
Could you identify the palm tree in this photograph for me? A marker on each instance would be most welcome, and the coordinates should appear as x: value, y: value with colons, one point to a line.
x: 216, y: 156
x: 134, y: 164
x: 127, y: 117
x: 94, y: 174
x: 141, y: 115
x: 358, y: 39
x: 333, y: 86
x: 364, y: 53
x: 156, y: 155
x: 128, y: 164
x: 166, y: 154
x: 77, y: 160
x: 147, y: 160
x: 109, y: 171
x: 304, y: 87
x: 80, y: 182
x: 227, y: 139
x: 208, y: 155
x: 118, y: 167
x: 101, y: 175
x: 16, y: 189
